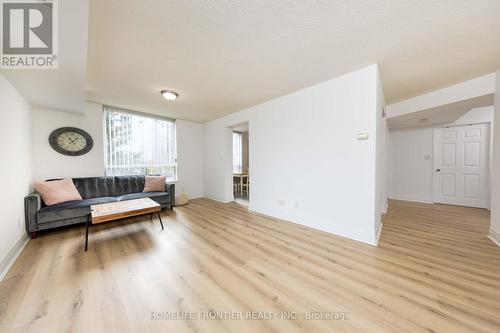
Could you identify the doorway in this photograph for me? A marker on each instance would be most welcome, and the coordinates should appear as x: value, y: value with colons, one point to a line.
x: 241, y: 174
x: 461, y: 165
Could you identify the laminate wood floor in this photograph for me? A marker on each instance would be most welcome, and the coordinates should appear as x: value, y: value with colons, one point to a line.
x: 433, y: 271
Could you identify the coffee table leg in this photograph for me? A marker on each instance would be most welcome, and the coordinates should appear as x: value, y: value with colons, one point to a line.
x: 159, y: 216
x: 87, y: 232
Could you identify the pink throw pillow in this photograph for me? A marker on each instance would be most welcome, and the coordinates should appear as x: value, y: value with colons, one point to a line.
x: 57, y: 191
x: 154, y: 183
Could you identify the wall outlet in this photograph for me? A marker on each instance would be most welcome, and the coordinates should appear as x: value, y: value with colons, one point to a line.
x: 19, y: 223
x: 296, y: 204
x: 281, y: 202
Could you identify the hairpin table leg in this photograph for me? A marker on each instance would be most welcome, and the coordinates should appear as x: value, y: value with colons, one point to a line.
x: 87, y: 232
x: 161, y: 222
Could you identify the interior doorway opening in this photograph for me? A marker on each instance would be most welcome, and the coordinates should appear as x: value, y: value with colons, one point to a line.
x: 241, y: 162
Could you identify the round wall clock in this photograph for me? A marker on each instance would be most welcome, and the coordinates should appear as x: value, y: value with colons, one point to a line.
x: 71, y: 141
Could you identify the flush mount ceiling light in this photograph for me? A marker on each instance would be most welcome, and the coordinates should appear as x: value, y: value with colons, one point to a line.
x: 423, y: 120
x: 169, y: 95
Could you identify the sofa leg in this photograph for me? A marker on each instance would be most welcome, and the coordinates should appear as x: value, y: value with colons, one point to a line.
x: 33, y: 234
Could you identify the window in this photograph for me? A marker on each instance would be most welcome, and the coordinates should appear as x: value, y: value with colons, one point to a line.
x: 138, y: 144
x: 237, y: 152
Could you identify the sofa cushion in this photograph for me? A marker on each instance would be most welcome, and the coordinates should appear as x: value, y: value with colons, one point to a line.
x: 57, y: 191
x: 128, y: 184
x: 154, y: 183
x: 159, y: 197
x: 95, y: 187
x: 70, y: 209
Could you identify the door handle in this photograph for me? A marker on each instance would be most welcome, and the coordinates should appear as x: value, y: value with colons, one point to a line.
x: 437, y: 170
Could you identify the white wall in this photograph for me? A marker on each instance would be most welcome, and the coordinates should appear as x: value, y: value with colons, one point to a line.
x: 189, y: 158
x: 411, y: 152
x: 244, y: 151
x: 476, y: 116
x: 306, y: 163
x: 495, y: 182
x: 15, y: 168
x: 51, y: 164
x: 410, y: 164
x: 380, y: 180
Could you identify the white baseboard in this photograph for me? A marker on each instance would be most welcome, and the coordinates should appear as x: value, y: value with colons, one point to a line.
x: 12, y: 255
x: 494, y: 236
x: 195, y: 196
x: 379, y: 233
x: 412, y: 198
x: 384, y: 210
x: 216, y: 198
x: 325, y: 226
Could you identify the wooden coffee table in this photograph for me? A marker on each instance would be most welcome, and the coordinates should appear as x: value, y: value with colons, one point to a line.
x: 119, y: 210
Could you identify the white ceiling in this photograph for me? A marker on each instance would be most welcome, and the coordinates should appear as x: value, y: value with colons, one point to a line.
x: 62, y: 89
x: 223, y: 56
x: 443, y: 114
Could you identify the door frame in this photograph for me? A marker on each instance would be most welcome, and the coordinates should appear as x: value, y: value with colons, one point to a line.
x: 434, y: 160
x: 228, y: 150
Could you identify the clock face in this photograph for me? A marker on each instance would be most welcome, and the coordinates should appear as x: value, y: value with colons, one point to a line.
x: 70, y: 141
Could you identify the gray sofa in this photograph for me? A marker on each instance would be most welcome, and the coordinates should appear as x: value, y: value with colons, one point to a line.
x: 94, y: 190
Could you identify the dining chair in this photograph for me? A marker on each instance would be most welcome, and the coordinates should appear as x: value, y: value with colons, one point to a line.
x: 236, y: 185
x: 246, y: 183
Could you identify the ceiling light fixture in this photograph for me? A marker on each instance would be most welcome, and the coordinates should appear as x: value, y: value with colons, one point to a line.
x: 169, y: 95
x: 423, y: 120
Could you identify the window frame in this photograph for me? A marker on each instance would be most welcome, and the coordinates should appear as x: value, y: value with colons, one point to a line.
x: 106, y: 108
x: 240, y: 135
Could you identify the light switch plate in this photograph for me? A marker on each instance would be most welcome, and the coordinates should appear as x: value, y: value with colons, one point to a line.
x: 362, y: 136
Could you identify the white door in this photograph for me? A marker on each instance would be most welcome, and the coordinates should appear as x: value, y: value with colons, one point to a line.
x: 461, y: 165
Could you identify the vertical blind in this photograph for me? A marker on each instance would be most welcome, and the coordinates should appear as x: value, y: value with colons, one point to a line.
x: 137, y: 144
x: 237, y: 152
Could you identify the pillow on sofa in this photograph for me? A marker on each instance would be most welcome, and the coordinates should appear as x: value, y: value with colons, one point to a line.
x: 57, y: 191
x: 154, y: 183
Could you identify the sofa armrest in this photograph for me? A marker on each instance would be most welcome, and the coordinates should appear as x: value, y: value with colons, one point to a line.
x: 170, y: 189
x: 32, y: 204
